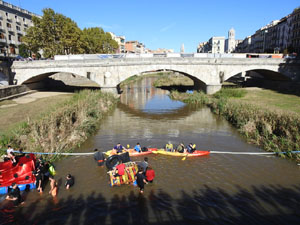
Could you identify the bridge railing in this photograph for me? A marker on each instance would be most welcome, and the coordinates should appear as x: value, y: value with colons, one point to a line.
x: 163, y: 55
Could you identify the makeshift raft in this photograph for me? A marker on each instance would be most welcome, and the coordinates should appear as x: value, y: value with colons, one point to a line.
x: 131, y: 169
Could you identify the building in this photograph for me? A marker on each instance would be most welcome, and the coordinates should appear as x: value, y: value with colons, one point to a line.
x: 216, y: 45
x: 121, y: 42
x: 134, y: 47
x: 182, y: 48
x: 203, y: 47
x: 14, y: 22
x: 230, y: 43
x: 295, y: 34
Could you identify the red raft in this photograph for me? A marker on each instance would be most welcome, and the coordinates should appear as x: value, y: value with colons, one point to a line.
x: 21, y: 173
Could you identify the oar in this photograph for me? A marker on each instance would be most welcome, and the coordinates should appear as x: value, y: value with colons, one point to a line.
x: 184, y: 158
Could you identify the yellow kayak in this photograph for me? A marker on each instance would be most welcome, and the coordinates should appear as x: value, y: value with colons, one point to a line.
x: 195, y: 153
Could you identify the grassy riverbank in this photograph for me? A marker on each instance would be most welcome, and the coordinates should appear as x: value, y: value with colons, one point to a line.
x: 63, y: 126
x: 266, y: 123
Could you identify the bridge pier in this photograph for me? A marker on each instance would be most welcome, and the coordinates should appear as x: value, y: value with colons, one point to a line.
x: 112, y: 90
x: 211, y: 89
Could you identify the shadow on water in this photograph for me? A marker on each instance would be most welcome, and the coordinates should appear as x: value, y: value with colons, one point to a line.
x: 262, y: 205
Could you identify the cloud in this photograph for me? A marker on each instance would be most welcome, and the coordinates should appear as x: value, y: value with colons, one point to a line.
x: 168, y: 27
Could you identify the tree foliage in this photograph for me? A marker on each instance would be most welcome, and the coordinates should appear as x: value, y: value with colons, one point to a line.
x: 56, y: 34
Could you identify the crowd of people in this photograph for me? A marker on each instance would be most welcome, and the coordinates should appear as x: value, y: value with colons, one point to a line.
x: 44, y: 170
x: 44, y: 173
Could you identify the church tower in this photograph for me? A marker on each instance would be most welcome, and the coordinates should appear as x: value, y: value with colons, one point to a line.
x: 231, y: 40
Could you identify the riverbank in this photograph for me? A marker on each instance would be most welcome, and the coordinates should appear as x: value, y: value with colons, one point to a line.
x: 62, y: 126
x: 262, y: 122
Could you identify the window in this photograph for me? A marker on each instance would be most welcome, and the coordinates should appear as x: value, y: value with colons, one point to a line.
x: 9, y: 37
x: 8, y: 25
x: 18, y: 28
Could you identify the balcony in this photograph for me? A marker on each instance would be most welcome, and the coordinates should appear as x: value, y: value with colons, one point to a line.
x: 11, y: 42
x: 18, y: 20
x: 20, y: 32
x: 10, y: 29
x: 2, y: 40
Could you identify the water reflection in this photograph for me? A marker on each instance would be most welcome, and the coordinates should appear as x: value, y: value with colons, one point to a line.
x: 144, y: 97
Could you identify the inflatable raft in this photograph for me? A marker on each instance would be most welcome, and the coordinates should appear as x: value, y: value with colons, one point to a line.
x: 194, y: 154
x: 132, y: 152
x: 21, y: 173
x: 131, y: 169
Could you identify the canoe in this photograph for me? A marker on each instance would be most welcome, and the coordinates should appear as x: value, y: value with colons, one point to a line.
x: 21, y: 174
x: 132, y: 152
x: 194, y: 154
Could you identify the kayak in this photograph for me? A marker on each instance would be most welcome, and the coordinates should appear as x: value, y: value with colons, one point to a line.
x: 21, y: 174
x: 132, y: 152
x: 194, y: 154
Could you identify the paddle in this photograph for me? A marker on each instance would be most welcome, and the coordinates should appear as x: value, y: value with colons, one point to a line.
x: 184, y: 158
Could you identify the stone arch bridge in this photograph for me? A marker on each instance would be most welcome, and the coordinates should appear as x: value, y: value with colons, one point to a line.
x: 208, y: 74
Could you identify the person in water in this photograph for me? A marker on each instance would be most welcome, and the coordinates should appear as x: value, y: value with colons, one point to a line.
x: 120, y: 169
x: 180, y: 148
x: 144, y: 164
x: 169, y: 147
x: 53, y: 186
x: 38, y: 179
x: 119, y: 148
x: 138, y: 148
x: 141, y: 180
x: 69, y: 182
x: 99, y: 157
x: 150, y: 174
x: 14, y: 195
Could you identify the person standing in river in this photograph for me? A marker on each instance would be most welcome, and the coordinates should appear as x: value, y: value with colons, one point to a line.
x: 141, y: 180
x: 99, y: 157
x: 69, y: 182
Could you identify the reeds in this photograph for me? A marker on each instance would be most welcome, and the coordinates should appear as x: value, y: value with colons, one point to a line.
x: 64, y: 126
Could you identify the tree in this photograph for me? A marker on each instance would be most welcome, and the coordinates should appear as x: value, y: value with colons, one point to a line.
x: 53, y: 34
x: 95, y: 40
x: 24, y: 51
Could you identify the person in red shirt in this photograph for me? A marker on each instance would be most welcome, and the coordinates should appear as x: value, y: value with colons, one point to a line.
x: 120, y: 169
x: 150, y: 174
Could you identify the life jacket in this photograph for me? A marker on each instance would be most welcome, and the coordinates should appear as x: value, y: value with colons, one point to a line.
x: 51, y: 169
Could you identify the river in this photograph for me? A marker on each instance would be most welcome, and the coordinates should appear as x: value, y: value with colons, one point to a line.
x: 215, y: 189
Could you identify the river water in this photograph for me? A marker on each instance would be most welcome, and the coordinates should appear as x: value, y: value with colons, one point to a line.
x: 215, y: 189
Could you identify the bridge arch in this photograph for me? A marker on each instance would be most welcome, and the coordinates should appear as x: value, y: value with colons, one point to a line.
x: 268, y: 74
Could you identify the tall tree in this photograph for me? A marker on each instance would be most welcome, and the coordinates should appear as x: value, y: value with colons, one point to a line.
x: 53, y: 34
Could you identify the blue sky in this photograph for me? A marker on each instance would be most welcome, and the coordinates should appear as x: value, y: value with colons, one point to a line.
x: 168, y: 23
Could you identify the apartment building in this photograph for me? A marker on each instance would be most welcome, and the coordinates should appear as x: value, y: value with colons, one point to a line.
x: 14, y: 22
x: 295, y: 36
x: 121, y: 42
x: 134, y: 47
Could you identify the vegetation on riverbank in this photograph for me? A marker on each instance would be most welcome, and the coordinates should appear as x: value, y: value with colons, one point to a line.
x: 64, y: 127
x: 171, y: 79
x: 273, y: 130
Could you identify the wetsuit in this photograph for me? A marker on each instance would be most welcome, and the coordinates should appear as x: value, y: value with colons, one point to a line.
x: 99, y: 157
x: 15, y: 193
x: 140, y: 177
x: 70, y: 182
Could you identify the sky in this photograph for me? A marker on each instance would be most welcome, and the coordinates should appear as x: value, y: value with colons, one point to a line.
x: 168, y: 23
